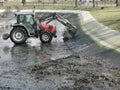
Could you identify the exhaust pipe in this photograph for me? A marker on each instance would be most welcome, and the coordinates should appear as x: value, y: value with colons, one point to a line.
x: 5, y: 36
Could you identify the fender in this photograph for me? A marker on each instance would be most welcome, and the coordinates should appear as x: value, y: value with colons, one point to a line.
x: 23, y: 26
x: 47, y: 27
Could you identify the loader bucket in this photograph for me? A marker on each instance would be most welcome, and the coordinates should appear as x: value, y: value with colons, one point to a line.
x: 69, y: 33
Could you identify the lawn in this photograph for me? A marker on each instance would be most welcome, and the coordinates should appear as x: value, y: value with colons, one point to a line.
x: 108, y: 16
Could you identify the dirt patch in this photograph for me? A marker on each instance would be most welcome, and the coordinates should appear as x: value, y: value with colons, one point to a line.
x: 85, y: 73
x: 53, y: 67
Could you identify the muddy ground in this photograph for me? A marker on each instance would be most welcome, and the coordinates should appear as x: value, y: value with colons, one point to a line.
x: 77, y: 64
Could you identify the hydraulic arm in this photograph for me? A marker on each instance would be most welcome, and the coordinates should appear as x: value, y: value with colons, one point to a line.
x: 71, y: 29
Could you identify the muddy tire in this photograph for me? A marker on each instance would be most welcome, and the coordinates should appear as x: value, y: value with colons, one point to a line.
x: 18, y: 35
x: 45, y: 37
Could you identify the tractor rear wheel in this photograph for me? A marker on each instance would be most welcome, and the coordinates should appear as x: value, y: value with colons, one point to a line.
x: 45, y: 37
x: 18, y: 35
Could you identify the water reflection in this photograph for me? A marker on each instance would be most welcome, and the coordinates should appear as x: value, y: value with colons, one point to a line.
x: 26, y: 55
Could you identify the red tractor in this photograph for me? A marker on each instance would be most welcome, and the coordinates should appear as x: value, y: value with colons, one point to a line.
x: 26, y: 26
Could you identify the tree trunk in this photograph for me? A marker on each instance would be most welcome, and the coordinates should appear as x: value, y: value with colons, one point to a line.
x: 93, y: 3
x: 23, y: 2
x: 117, y: 3
x: 54, y: 1
x: 75, y: 3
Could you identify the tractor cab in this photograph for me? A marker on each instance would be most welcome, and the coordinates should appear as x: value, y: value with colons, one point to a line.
x: 27, y: 20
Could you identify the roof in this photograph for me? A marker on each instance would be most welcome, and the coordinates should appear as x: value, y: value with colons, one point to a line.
x: 25, y: 13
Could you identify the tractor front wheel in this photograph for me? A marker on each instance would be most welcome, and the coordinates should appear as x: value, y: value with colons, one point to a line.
x: 18, y: 35
x: 45, y: 37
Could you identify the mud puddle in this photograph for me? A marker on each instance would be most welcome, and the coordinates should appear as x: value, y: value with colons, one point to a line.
x: 77, y: 73
x: 78, y: 64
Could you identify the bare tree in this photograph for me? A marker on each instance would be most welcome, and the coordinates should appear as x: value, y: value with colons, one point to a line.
x: 23, y: 2
x: 117, y: 3
x: 39, y: 1
x: 54, y: 1
x: 75, y: 3
x: 93, y: 3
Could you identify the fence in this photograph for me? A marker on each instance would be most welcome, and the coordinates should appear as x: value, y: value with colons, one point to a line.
x: 72, y: 3
x: 60, y: 3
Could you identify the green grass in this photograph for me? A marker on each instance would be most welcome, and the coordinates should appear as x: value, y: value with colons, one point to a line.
x: 45, y: 5
x: 108, y: 16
